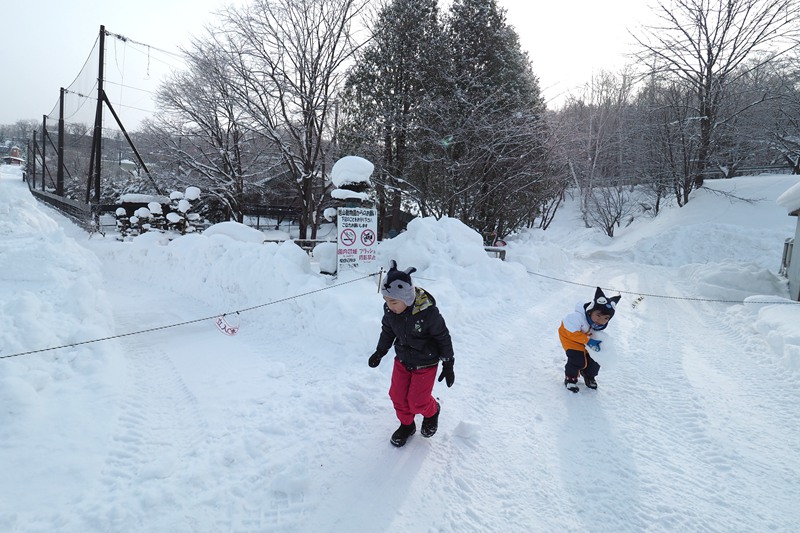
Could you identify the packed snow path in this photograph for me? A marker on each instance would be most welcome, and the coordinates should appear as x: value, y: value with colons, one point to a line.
x: 284, y: 427
x: 236, y: 433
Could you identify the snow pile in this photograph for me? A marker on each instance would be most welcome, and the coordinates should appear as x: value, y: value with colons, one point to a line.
x: 236, y: 231
x: 790, y: 200
x: 56, y: 400
x: 226, y: 268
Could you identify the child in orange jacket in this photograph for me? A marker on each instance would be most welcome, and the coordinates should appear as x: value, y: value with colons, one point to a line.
x: 575, y: 333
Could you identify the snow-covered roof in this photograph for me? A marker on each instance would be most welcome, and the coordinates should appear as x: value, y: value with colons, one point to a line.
x: 790, y: 200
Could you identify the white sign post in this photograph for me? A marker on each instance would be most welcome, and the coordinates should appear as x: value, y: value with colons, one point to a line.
x: 358, y: 237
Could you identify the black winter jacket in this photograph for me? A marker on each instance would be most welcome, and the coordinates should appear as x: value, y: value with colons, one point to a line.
x: 419, y: 334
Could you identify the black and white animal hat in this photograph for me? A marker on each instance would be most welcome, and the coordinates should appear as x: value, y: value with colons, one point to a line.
x: 398, y: 284
x: 606, y: 305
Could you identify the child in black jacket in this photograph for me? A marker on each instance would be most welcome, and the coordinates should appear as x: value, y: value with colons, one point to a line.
x: 412, y: 323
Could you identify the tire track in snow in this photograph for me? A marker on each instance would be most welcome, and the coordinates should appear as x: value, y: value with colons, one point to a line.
x: 688, y: 414
x: 751, y: 408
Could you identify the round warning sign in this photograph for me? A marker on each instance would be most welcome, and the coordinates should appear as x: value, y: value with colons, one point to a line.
x: 348, y: 237
x: 368, y: 237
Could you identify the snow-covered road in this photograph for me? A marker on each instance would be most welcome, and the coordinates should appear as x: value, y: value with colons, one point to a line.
x: 284, y: 427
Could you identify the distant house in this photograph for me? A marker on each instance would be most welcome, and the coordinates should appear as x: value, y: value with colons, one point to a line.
x: 11, y: 160
x: 13, y: 157
x: 790, y: 200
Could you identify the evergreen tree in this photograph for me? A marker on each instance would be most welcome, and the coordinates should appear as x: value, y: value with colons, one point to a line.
x: 394, y: 78
x: 493, y: 122
x: 451, y: 112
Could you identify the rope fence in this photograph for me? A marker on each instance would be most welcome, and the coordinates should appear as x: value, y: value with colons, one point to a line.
x: 187, y: 322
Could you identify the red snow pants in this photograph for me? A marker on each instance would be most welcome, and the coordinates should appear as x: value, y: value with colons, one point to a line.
x: 411, y: 392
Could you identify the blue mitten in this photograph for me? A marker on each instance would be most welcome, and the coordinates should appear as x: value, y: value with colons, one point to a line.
x: 594, y: 344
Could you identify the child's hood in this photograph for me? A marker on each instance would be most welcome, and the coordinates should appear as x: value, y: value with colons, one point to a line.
x: 422, y: 301
x: 576, y: 320
x: 602, y: 302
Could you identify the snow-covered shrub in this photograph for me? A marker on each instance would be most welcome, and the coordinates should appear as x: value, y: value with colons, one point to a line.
x: 180, y: 218
x: 123, y: 223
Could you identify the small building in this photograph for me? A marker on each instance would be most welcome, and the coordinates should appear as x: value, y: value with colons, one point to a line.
x: 13, y: 160
x: 790, y: 200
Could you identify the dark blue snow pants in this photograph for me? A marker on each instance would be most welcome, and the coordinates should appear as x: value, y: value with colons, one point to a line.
x: 579, y: 361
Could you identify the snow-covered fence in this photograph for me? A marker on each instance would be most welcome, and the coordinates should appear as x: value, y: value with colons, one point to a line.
x: 306, y: 244
x: 498, y: 251
x: 270, y: 213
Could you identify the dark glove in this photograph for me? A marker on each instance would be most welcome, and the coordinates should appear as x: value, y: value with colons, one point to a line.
x: 447, y: 373
x: 375, y: 359
x: 594, y: 344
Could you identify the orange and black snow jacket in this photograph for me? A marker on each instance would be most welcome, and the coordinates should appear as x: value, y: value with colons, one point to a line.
x: 574, y: 331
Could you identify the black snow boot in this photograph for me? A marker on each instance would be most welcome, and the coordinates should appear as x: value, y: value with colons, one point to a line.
x: 571, y: 384
x: 431, y: 423
x: 400, y: 436
x: 590, y: 382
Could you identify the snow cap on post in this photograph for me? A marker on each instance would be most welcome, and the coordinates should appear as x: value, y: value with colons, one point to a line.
x: 398, y: 284
x: 350, y: 170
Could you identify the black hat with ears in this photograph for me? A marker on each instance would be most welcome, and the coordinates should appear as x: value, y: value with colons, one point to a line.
x: 605, y: 305
x: 398, y: 284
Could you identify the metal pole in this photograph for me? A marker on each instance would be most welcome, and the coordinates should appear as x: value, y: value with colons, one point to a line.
x: 60, y: 171
x: 97, y: 143
x: 100, y: 92
x: 44, y: 148
x: 33, y: 161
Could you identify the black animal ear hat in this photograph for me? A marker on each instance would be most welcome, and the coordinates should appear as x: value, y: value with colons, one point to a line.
x: 398, y: 284
x: 607, y: 306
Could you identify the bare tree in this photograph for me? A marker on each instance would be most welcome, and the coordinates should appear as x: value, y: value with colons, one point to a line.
x: 205, y: 129
x: 784, y: 128
x: 705, y: 45
x: 22, y: 129
x: 290, y: 56
x: 594, y: 135
x: 609, y: 206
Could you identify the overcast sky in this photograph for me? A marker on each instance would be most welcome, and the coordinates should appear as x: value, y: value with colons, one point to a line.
x: 47, y: 42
